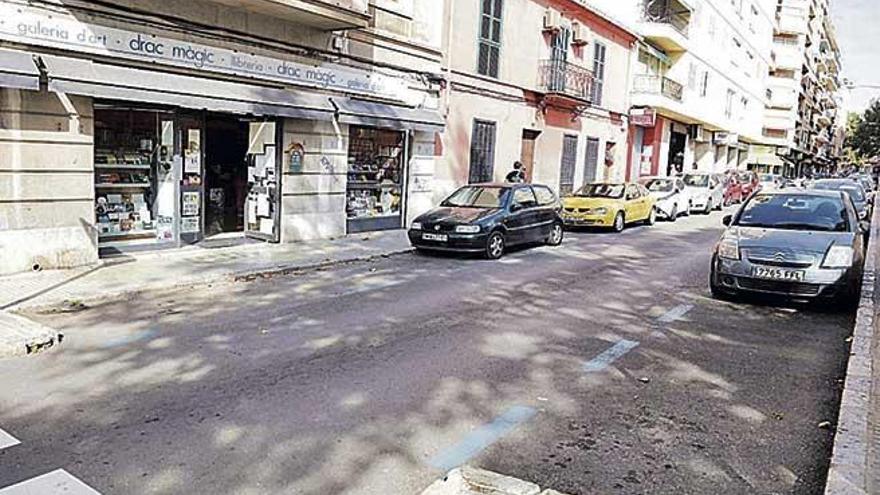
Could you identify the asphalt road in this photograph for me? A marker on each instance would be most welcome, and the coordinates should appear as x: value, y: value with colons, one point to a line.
x: 601, y: 366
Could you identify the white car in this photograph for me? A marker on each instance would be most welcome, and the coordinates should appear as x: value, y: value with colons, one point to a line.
x: 672, y: 199
x: 768, y: 182
x: 706, y: 191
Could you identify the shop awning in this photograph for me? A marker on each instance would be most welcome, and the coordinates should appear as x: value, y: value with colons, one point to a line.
x: 84, y: 77
x: 18, y: 70
x: 360, y: 112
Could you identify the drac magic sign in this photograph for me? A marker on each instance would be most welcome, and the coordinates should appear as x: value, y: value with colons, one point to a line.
x: 37, y: 26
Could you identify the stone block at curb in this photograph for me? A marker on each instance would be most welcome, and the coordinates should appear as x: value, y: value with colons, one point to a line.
x: 473, y: 481
x: 20, y: 336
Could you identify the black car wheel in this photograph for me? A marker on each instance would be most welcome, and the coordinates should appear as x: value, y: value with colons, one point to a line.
x: 652, y: 217
x: 495, y: 246
x: 555, y: 237
x: 674, y: 215
x: 619, y: 222
x: 709, y: 207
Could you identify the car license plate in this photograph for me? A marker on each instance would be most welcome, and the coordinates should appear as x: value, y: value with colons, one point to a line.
x: 779, y: 274
x: 435, y: 237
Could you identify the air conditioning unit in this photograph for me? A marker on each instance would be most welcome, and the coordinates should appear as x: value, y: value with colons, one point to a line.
x: 698, y: 134
x: 552, y: 20
x: 578, y: 34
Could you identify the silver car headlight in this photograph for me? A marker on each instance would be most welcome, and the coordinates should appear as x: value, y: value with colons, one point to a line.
x: 728, y: 249
x: 416, y: 226
x: 838, y: 257
x: 467, y: 229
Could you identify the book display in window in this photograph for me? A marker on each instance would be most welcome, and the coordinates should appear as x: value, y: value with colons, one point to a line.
x: 375, y: 173
x: 125, y: 147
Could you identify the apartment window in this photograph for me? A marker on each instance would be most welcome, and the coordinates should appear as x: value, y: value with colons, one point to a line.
x: 704, y: 84
x: 728, y: 106
x: 489, y: 52
x: 692, y: 76
x: 598, y: 73
x: 482, y: 160
x: 566, y: 165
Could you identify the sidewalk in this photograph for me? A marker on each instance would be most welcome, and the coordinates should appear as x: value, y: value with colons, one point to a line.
x: 118, y: 276
x: 855, y: 462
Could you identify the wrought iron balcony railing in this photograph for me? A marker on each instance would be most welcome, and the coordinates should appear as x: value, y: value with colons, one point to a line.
x: 658, y: 85
x: 563, y: 78
x: 668, y: 12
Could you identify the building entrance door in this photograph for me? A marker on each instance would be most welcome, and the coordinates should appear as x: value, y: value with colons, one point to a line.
x: 527, y: 152
x: 677, y: 143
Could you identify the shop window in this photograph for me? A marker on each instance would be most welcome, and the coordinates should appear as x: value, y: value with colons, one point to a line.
x: 132, y: 161
x: 375, y: 178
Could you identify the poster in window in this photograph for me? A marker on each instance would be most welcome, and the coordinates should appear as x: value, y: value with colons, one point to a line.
x: 193, y: 152
x: 189, y: 225
x: 191, y: 203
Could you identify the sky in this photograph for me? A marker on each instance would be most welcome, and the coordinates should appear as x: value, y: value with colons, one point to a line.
x: 855, y: 22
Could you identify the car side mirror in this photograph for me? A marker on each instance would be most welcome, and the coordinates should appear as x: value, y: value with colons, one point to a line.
x: 515, y: 207
x: 727, y: 220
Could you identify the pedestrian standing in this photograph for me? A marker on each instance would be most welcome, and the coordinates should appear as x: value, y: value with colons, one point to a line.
x: 518, y: 174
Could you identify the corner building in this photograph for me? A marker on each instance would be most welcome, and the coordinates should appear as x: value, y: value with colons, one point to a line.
x: 144, y: 125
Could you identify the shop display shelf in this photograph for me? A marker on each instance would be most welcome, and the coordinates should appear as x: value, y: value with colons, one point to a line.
x: 123, y: 185
x: 122, y: 166
x: 130, y: 233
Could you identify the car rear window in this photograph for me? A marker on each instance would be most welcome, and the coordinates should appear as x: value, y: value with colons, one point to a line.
x: 794, y: 212
x: 545, y: 195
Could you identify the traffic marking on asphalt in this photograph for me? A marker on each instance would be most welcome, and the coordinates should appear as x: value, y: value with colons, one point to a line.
x: 54, y: 483
x: 129, y: 339
x: 610, y: 355
x: 481, y: 438
x: 7, y: 440
x: 675, y: 313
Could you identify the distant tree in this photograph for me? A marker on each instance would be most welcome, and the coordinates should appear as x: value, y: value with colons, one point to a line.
x: 863, y: 133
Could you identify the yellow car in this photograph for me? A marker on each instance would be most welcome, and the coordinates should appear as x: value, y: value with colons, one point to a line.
x: 608, y: 205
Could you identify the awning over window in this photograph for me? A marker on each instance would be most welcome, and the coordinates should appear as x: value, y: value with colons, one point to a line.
x: 359, y: 112
x: 18, y: 70
x: 84, y: 77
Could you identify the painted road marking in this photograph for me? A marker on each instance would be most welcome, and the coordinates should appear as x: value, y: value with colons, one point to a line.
x: 129, y: 339
x: 602, y: 361
x: 54, y: 483
x: 7, y: 440
x: 481, y: 438
x: 675, y: 313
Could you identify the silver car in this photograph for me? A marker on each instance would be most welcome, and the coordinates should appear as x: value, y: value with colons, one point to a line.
x: 705, y: 190
x: 802, y: 244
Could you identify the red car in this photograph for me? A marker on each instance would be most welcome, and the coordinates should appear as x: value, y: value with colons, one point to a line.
x: 733, y: 190
x: 749, y: 182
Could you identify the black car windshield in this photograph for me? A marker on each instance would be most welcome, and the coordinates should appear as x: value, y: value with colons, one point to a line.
x: 477, y: 197
x: 659, y: 185
x: 601, y: 191
x: 854, y: 191
x: 696, y: 180
x: 794, y: 212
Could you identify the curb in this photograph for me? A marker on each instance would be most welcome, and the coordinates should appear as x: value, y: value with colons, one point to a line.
x: 231, y: 276
x: 472, y: 481
x: 20, y: 336
x: 848, y: 471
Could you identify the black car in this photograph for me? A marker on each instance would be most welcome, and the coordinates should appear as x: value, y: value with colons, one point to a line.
x: 487, y: 218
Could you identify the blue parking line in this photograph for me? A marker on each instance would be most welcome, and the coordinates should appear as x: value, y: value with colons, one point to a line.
x: 129, y: 339
x: 481, y: 438
x: 610, y: 355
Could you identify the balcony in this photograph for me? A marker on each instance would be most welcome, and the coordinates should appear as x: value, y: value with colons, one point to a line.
x: 561, y: 80
x: 658, y: 85
x: 665, y: 23
x: 325, y: 15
